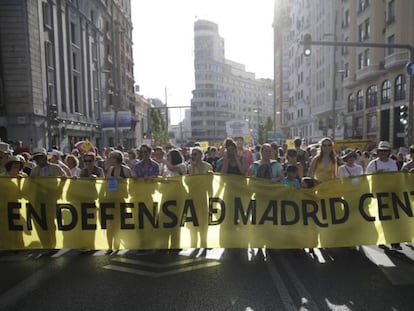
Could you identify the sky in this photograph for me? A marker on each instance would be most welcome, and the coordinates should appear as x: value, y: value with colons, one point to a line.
x: 163, y: 37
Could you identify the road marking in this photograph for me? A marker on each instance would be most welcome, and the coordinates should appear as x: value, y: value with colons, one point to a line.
x: 161, y: 274
x: 280, y: 286
x: 156, y: 265
x: 307, y: 302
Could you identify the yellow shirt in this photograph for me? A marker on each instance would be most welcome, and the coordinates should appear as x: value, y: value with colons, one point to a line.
x: 325, y: 172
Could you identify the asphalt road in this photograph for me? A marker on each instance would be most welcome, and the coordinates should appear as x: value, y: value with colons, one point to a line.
x: 364, y: 278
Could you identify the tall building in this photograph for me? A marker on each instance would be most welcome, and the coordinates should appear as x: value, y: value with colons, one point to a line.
x: 63, y: 64
x: 224, y: 90
x: 348, y: 92
x: 308, y: 89
x: 375, y: 80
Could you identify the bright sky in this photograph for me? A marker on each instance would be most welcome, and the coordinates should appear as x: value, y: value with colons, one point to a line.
x: 163, y: 39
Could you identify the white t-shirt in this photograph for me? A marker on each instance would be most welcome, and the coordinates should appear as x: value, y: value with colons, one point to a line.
x: 349, y: 171
x: 168, y: 173
x: 378, y: 165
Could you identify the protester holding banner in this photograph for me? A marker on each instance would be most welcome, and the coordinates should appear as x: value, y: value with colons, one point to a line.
x: 349, y: 168
x: 14, y: 166
x: 90, y: 169
x: 266, y: 167
x: 231, y: 162
x: 197, y: 165
x: 73, y: 163
x: 147, y: 167
x: 117, y: 168
x: 243, y: 152
x: 43, y: 167
x: 174, y: 164
x: 409, y: 166
x: 324, y: 165
x: 383, y: 163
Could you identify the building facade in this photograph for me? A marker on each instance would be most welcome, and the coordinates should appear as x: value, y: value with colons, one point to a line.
x: 63, y: 63
x: 348, y: 92
x: 375, y: 80
x: 224, y: 90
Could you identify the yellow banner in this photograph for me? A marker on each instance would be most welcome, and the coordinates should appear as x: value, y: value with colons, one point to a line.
x: 204, y: 211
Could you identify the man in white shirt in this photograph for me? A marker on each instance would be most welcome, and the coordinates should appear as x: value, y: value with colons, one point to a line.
x: 383, y: 163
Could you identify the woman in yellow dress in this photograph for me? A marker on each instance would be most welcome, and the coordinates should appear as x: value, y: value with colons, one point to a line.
x: 324, y: 165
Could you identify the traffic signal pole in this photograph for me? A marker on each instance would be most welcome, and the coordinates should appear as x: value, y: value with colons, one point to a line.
x: 410, y: 48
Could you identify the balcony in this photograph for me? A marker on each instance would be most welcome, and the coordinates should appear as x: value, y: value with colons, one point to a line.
x: 396, y: 59
x: 369, y: 72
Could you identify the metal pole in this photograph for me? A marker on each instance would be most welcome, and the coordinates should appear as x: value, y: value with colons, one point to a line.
x: 334, y: 81
x: 410, y: 125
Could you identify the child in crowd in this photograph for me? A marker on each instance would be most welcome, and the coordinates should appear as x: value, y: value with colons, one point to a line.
x: 291, y: 176
x: 307, y: 182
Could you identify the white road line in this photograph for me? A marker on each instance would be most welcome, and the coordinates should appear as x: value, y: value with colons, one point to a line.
x: 282, y: 290
x: 161, y: 274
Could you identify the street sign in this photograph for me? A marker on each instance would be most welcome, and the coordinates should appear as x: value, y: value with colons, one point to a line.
x: 410, y: 68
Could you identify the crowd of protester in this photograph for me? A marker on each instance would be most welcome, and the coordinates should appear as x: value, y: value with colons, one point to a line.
x: 270, y: 161
x: 297, y: 166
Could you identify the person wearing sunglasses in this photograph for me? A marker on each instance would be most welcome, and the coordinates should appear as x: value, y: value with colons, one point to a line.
x: 90, y: 168
x: 147, y: 167
x: 324, y: 165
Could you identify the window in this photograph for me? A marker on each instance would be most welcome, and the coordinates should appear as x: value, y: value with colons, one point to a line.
x: 390, y: 40
x: 386, y: 92
x: 399, y: 88
x: 372, y: 95
x: 362, y: 5
x: 367, y: 29
x: 360, y: 100
x: 361, y: 32
x: 363, y: 59
x: 391, y: 12
x: 351, y: 102
x: 47, y: 15
x: 347, y: 19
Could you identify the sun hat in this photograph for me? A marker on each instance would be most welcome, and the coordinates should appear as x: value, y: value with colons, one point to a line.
x: 5, y: 148
x: 55, y: 152
x: 13, y: 159
x: 348, y: 152
x: 384, y: 145
x: 39, y: 151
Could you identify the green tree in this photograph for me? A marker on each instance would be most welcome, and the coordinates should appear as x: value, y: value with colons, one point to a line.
x: 157, y: 127
x: 264, y: 127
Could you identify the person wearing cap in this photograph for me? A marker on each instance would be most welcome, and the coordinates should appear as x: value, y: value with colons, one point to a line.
x: 409, y: 166
x: 43, y: 166
x: 14, y: 167
x: 349, y: 168
x: 55, y: 157
x: 383, y: 162
x: 5, y: 153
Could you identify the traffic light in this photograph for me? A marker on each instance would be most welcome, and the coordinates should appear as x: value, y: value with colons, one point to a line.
x: 307, y: 39
x: 403, y: 114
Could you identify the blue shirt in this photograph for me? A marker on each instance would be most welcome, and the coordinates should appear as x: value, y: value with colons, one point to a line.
x: 152, y: 170
x: 294, y: 183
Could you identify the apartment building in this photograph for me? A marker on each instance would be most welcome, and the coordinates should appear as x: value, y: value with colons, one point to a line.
x: 63, y: 64
x: 224, y: 90
x: 375, y: 82
x: 348, y: 92
x: 308, y: 89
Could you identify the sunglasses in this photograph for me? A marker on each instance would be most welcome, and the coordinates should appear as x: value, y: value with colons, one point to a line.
x: 88, y: 161
x: 144, y: 151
